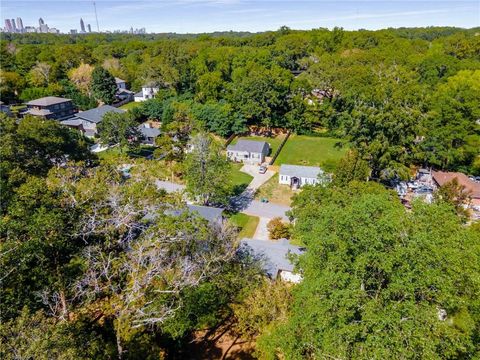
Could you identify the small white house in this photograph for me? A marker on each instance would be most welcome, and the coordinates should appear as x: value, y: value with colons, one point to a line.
x: 248, y: 151
x: 297, y: 176
x: 148, y: 92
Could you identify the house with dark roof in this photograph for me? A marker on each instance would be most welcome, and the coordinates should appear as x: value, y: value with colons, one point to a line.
x: 248, y: 151
x: 51, y: 107
x: 87, y: 121
x: 297, y: 176
x: 122, y: 92
x: 275, y: 257
x: 150, y: 132
x: 5, y: 108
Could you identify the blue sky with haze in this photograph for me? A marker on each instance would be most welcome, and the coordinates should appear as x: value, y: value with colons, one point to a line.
x: 192, y: 16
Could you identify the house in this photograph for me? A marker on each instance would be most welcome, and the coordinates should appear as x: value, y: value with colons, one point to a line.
x: 275, y: 257
x: 122, y: 92
x: 248, y: 151
x: 51, y: 107
x: 150, y: 132
x: 297, y: 176
x: 148, y: 92
x: 440, y: 178
x: 87, y: 121
x: 212, y: 214
x: 5, y: 109
x: 121, y: 84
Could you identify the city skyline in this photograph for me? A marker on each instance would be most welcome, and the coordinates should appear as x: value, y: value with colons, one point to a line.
x: 187, y: 16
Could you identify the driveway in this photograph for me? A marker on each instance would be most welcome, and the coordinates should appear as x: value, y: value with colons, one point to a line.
x: 261, y: 233
x: 266, y: 210
x: 258, y: 179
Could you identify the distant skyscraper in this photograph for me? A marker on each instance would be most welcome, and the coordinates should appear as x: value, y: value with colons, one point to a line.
x: 19, y: 24
x: 41, y: 22
x: 8, y: 25
x: 89, y: 28
x: 14, y: 28
x: 82, y: 26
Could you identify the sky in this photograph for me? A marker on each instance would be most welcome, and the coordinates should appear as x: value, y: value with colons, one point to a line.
x: 197, y: 16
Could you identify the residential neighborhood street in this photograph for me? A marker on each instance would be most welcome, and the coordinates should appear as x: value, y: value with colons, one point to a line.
x: 245, y: 202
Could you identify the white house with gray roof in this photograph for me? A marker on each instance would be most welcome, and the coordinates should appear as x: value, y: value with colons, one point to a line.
x: 248, y: 151
x: 275, y: 257
x: 148, y: 92
x: 87, y: 121
x: 297, y: 176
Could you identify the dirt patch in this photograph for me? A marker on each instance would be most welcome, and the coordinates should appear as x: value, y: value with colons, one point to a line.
x: 220, y: 344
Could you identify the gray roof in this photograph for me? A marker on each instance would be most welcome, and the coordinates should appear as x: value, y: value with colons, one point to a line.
x: 149, y: 132
x: 139, y: 94
x: 250, y: 146
x: 118, y: 80
x: 273, y: 253
x: 71, y: 122
x: 95, y: 115
x: 47, y: 101
x: 211, y: 214
x: 300, y: 171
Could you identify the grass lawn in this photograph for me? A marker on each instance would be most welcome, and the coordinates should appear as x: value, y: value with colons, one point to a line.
x: 273, y: 141
x: 248, y: 224
x: 130, y: 105
x: 312, y: 151
x: 240, y: 180
x: 274, y: 192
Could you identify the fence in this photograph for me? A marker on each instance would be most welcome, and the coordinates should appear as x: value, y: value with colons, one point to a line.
x: 279, y: 149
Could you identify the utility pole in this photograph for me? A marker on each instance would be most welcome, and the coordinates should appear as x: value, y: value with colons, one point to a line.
x: 96, y: 17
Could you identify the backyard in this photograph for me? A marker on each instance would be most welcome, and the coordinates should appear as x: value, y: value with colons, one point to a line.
x: 130, y: 105
x: 312, y: 151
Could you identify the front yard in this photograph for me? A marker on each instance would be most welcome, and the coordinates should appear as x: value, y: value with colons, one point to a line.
x: 240, y: 180
x: 274, y: 192
x: 246, y: 223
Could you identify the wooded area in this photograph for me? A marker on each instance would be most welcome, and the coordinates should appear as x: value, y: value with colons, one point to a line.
x: 98, y: 265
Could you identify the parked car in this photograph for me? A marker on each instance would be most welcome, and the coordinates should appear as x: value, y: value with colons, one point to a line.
x: 262, y: 169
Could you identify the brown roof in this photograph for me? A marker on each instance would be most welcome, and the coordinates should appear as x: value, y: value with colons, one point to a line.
x: 48, y: 100
x: 471, y: 186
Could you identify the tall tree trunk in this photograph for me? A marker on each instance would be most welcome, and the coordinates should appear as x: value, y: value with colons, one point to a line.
x: 119, y: 345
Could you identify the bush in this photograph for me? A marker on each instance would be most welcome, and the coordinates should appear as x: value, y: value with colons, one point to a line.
x: 277, y: 229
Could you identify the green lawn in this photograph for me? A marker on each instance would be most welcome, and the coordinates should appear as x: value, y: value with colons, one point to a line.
x: 273, y: 141
x: 240, y: 180
x: 274, y: 192
x: 130, y: 105
x: 312, y: 151
x: 248, y: 224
